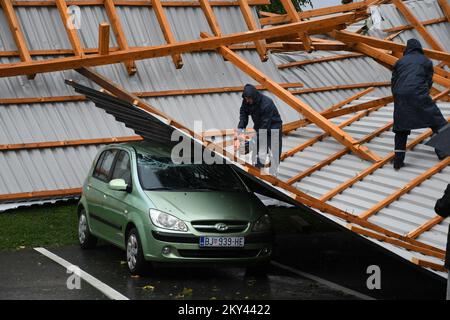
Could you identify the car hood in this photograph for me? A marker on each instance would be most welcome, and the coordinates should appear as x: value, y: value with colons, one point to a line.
x: 208, y: 205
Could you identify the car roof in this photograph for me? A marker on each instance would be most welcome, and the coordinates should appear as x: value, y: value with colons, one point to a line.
x: 145, y: 147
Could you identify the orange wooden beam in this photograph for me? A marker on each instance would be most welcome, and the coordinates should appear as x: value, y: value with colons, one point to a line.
x: 414, y: 234
x: 302, y: 63
x: 409, y: 26
x: 251, y: 24
x: 119, y: 33
x: 429, y: 264
x: 103, y: 38
x: 134, y: 3
x: 167, y: 32
x: 293, y: 15
x: 71, y: 31
x: 17, y: 33
x: 41, y: 194
x: 445, y: 6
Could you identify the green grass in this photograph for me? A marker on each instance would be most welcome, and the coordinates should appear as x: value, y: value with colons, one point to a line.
x: 50, y: 225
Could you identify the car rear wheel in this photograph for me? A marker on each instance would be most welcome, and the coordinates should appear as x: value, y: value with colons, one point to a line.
x: 135, y: 258
x: 86, y: 239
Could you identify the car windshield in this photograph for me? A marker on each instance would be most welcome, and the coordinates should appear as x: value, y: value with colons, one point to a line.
x: 160, y: 173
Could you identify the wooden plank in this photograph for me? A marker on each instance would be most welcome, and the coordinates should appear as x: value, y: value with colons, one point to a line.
x: 342, y: 87
x: 135, y: 3
x: 407, y: 13
x: 67, y: 143
x: 409, y: 26
x: 445, y: 6
x: 167, y: 32
x: 119, y: 33
x: 71, y: 31
x: 296, y: 194
x: 298, y: 105
x: 16, y: 31
x: 103, y: 38
x: 66, y: 63
x: 298, y: 46
x: 41, y: 194
x: 396, y: 242
x: 414, y: 234
x: 319, y: 60
x: 405, y: 189
x: 429, y: 264
x: 313, y: 13
x: 150, y: 94
x: 210, y: 17
x: 354, y: 38
x: 293, y: 15
x: 251, y: 24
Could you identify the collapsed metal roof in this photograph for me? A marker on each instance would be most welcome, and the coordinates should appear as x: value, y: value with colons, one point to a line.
x: 49, y: 140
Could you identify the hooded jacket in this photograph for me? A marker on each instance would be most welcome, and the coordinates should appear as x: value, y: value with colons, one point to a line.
x: 263, y: 111
x: 412, y: 79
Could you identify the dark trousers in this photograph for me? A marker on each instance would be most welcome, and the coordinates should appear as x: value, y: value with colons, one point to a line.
x: 401, y: 138
x: 275, y: 149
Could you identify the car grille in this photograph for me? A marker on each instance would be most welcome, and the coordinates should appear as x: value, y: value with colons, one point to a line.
x: 218, y: 253
x: 209, y: 226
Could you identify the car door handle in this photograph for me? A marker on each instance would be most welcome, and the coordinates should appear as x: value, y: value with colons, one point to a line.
x: 104, y: 196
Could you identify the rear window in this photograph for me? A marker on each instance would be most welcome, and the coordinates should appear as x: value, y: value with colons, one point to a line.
x: 104, y: 164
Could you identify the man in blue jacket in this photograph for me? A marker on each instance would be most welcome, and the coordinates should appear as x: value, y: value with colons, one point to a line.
x: 265, y: 116
x: 412, y: 79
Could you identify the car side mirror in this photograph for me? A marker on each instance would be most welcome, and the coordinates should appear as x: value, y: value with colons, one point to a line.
x: 118, y: 185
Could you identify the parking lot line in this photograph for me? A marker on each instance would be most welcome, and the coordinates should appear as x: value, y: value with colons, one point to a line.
x: 327, y: 283
x: 102, y: 287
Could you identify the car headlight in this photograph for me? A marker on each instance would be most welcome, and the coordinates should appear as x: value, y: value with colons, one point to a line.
x: 167, y: 221
x: 262, y: 224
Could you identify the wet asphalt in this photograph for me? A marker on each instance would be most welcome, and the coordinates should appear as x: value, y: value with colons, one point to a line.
x: 27, y: 274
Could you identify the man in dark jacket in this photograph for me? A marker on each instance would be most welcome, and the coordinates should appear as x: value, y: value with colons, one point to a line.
x: 442, y: 208
x: 265, y: 116
x: 412, y: 79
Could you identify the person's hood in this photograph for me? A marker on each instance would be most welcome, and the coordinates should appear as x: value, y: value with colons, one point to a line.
x: 251, y: 92
x: 413, y: 45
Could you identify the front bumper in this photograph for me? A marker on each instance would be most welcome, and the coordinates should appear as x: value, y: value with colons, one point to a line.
x: 185, y: 247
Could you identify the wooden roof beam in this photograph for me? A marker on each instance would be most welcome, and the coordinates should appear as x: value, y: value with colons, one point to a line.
x: 135, y: 3
x: 429, y: 264
x: 251, y: 24
x: 119, y: 33
x: 41, y: 194
x: 407, y: 13
x: 65, y: 63
x: 414, y: 234
x: 293, y: 15
x: 167, y: 32
x: 302, y: 63
x: 445, y: 8
x: 103, y: 38
x: 409, y: 26
x: 17, y: 33
x: 352, y: 38
x: 297, y: 104
x: 71, y: 31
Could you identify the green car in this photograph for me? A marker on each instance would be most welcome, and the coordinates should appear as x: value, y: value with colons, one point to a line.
x: 138, y: 199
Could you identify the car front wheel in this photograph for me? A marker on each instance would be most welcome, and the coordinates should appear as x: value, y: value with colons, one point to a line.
x: 86, y: 239
x: 135, y: 258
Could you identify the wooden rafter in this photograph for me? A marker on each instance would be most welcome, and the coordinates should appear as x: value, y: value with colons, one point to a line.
x: 41, y: 194
x: 293, y: 15
x: 17, y: 33
x: 296, y: 194
x: 65, y: 63
x: 134, y: 3
x: 407, y: 13
x: 414, y: 234
x: 167, y: 32
x: 429, y: 264
x: 210, y: 17
x: 313, y: 13
x: 298, y: 46
x: 405, y: 189
x: 103, y: 38
x: 342, y: 87
x: 71, y: 31
x: 409, y: 26
x: 302, y: 63
x: 67, y: 143
x: 143, y: 94
x: 119, y: 33
x: 445, y: 8
x: 354, y: 38
x: 251, y: 24
x: 297, y: 104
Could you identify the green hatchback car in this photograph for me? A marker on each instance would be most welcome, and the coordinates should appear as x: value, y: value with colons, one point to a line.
x: 138, y: 199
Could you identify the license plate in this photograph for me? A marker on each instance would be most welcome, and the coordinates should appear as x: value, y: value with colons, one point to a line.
x: 221, y: 241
